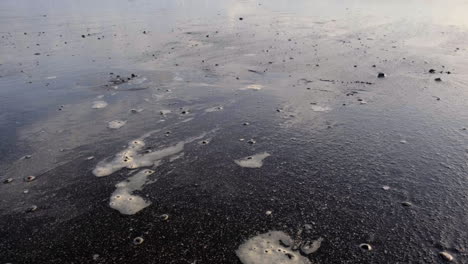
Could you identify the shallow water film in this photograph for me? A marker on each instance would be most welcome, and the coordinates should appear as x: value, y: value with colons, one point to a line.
x: 233, y: 131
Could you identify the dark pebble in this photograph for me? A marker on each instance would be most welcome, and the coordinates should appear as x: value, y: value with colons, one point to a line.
x: 8, y: 180
x: 138, y: 240
x: 30, y: 178
x: 406, y: 204
x: 31, y: 209
x: 365, y: 246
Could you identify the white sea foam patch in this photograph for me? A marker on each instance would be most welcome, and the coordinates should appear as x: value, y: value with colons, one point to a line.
x: 99, y: 104
x: 255, y: 87
x: 116, y: 124
x: 214, y: 109
x: 274, y: 247
x: 131, y: 158
x: 255, y: 161
x: 318, y: 108
x: 123, y: 199
x: 134, y: 157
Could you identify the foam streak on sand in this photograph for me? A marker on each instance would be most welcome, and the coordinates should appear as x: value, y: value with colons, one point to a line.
x: 254, y: 87
x: 123, y: 198
x: 133, y: 158
x: 255, y: 161
x: 274, y: 247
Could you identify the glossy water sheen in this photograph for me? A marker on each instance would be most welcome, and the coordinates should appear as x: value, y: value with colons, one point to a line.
x: 354, y: 159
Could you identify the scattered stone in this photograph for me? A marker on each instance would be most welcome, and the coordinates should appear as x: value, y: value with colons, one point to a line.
x: 446, y: 256
x: 406, y: 204
x: 27, y: 157
x: 138, y: 240
x: 268, y: 212
x: 30, y: 178
x: 432, y: 71
x: 251, y: 142
x: 83, y: 36
x: 308, y: 248
x: 438, y: 79
x: 164, y: 217
x: 31, y: 209
x: 365, y: 246
x: 8, y: 180
x: 381, y: 75
x: 135, y: 111
x: 246, y: 124
x: 90, y: 158
x: 386, y: 188
x: 241, y: 18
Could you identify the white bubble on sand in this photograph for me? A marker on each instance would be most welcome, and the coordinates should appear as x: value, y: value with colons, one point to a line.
x: 318, y: 108
x: 255, y: 161
x: 164, y: 112
x: 116, y: 124
x: 273, y: 247
x: 123, y: 199
x: 255, y: 87
x: 99, y: 104
x: 51, y: 77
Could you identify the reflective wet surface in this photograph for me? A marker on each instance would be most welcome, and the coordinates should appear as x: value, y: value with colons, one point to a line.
x: 233, y: 131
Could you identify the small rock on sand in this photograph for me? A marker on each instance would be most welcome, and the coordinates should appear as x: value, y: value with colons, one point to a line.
x: 446, y: 256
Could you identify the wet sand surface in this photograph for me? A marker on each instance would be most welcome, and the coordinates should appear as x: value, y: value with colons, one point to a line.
x: 233, y: 131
